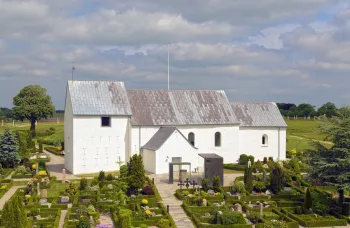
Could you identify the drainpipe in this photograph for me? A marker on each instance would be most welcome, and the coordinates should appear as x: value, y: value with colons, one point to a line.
x: 139, y: 139
x: 129, y: 137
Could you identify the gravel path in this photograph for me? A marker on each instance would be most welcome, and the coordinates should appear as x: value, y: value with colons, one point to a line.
x: 8, y: 195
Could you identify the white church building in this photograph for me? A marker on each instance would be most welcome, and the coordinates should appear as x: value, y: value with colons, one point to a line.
x: 105, y: 124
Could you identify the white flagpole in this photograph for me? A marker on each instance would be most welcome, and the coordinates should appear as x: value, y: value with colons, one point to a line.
x: 168, y: 69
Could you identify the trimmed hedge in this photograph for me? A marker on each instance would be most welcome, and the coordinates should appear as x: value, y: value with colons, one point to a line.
x: 53, y: 150
x: 316, y: 223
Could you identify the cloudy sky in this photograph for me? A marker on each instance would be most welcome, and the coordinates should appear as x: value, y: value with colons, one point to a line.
x: 271, y: 50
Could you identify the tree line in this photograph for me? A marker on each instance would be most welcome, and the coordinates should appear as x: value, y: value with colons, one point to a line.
x: 329, y: 109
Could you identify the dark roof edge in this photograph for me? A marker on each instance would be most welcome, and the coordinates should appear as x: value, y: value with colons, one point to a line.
x: 175, y: 129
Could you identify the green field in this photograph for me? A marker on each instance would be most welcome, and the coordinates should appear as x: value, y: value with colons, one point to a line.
x: 300, y: 133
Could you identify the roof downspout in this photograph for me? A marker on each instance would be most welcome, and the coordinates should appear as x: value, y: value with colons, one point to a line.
x: 140, y: 139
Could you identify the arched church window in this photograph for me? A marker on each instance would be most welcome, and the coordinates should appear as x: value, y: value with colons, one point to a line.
x: 217, y: 139
x: 191, y: 138
x: 265, y: 140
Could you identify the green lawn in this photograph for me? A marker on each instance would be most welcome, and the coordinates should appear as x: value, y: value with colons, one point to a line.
x: 301, y: 132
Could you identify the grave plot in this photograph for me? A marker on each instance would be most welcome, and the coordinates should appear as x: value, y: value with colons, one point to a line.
x: 278, y: 199
x: 5, y: 185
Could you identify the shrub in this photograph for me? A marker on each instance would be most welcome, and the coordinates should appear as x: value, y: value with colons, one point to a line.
x: 132, y: 206
x: 243, y: 159
x: 41, y: 147
x: 148, y: 190
x: 83, y: 183
x: 84, y: 222
x: 259, y: 164
x: 259, y: 186
x: 101, y: 176
x: 248, y: 179
x: 238, y: 187
x: 21, y: 169
x: 143, y: 226
x: 205, y: 184
x: 270, y: 158
x: 124, y: 218
x: 216, y: 183
x: 109, y: 177
x: 276, y: 179
x: 42, y: 173
x: 251, y: 158
x: 144, y: 202
x: 265, y: 160
x: 275, y: 224
x: 293, y: 164
x: 163, y: 223
x: 71, y: 189
x: 94, y: 182
x: 228, y: 218
x: 34, y: 211
x: 308, y: 200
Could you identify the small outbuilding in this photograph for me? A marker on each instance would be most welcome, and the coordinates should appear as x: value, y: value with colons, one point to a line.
x: 212, y: 165
x: 168, y: 145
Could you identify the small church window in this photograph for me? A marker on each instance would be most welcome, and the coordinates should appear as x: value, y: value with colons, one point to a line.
x: 264, y: 140
x: 191, y: 138
x: 217, y: 139
x: 106, y: 121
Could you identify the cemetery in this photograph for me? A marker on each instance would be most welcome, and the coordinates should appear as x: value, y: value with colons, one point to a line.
x: 278, y: 198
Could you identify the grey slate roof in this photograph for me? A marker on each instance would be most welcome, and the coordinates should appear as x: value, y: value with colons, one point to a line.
x: 180, y: 107
x: 99, y: 98
x: 160, y: 137
x: 258, y: 114
x: 208, y: 156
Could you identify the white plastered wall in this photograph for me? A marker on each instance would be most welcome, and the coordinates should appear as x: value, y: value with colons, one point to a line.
x: 204, y: 139
x: 251, y: 142
x: 175, y: 146
x: 98, y: 148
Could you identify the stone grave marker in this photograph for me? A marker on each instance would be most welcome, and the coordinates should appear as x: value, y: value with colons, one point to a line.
x: 238, y: 207
x: 63, y: 176
x: 261, y: 209
x: 204, y: 202
x: 64, y: 199
x: 43, y: 201
x: 44, y: 193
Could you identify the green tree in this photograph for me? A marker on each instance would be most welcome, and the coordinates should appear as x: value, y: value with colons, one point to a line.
x: 308, y: 200
x: 32, y: 103
x: 136, y: 173
x: 332, y: 165
x: 248, y: 179
x: 83, y: 183
x: 205, y: 184
x: 306, y: 110
x: 8, y: 148
x: 22, y: 143
x: 329, y: 109
x: 7, y: 217
x: 216, y: 183
x: 277, y: 179
x: 101, y: 176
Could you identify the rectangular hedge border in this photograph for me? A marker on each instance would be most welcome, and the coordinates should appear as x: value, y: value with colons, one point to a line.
x: 323, y: 223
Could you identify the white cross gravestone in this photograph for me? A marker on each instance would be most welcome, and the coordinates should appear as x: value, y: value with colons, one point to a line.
x: 249, y: 163
x: 106, y: 154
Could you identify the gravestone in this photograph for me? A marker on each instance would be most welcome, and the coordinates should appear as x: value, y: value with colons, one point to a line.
x: 204, y: 202
x: 238, y: 207
x: 211, y: 192
x: 43, y: 201
x: 261, y: 209
x: 64, y: 199
x: 85, y: 201
x: 110, y: 186
x: 265, y: 166
x: 63, y: 176
x: 216, y: 205
x: 264, y: 176
x: 37, y: 217
x: 44, y: 193
x: 207, y: 214
x: 268, y: 192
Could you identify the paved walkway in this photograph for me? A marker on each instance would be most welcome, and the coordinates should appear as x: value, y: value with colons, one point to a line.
x: 56, y: 165
x: 105, y: 218
x: 167, y: 191
x: 62, y: 218
x: 8, y: 195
